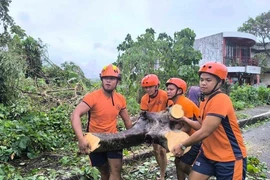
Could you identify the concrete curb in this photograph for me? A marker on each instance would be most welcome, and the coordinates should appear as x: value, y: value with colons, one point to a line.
x: 244, y: 122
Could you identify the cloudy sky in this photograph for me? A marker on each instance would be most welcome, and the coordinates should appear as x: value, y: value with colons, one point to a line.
x: 87, y: 32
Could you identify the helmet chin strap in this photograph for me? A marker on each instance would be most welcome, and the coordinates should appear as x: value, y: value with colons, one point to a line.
x: 109, y: 91
x: 202, y: 95
x: 176, y: 94
x: 155, y: 93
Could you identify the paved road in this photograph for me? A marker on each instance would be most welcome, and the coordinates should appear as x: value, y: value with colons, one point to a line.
x: 258, y: 142
x: 254, y: 111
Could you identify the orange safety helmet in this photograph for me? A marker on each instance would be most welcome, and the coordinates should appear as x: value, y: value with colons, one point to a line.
x: 150, y: 80
x: 214, y: 68
x: 111, y: 70
x: 180, y: 83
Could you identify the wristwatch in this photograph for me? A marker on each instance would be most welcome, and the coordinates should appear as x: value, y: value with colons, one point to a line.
x: 183, y: 148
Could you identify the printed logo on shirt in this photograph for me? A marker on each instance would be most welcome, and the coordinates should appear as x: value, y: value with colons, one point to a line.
x: 159, y: 102
x: 118, y: 107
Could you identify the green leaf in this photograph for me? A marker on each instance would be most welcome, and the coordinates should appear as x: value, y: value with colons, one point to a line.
x: 252, y: 169
x: 2, y: 115
x: 23, y: 142
x: 31, y: 155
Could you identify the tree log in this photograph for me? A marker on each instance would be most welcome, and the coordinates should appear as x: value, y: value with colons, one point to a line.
x: 149, y: 128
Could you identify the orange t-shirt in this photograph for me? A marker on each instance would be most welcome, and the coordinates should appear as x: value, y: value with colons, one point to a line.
x: 104, y: 111
x: 190, y: 109
x: 156, y: 104
x: 226, y: 142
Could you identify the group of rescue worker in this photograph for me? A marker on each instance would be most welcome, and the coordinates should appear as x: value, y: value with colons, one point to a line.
x: 217, y: 145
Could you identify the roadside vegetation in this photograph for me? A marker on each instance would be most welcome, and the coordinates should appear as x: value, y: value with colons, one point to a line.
x: 37, y: 141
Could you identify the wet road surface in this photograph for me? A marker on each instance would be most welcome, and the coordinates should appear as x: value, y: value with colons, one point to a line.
x: 258, y: 142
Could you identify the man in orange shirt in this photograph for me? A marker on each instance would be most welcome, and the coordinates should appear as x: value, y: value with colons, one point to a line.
x: 176, y: 88
x: 155, y: 100
x: 223, y: 151
x: 103, y: 106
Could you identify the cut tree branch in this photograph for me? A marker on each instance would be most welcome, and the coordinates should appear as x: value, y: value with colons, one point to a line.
x: 150, y: 128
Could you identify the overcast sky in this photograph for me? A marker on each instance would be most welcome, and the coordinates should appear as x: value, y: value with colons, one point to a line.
x: 87, y: 32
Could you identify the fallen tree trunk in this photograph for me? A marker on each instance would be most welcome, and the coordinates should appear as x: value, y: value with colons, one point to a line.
x: 150, y: 128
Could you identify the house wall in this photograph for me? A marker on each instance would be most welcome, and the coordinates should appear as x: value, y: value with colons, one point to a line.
x: 211, y: 48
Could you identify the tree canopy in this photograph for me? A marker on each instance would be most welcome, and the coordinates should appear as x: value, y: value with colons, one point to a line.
x: 23, y: 56
x: 260, y: 27
x: 163, y: 55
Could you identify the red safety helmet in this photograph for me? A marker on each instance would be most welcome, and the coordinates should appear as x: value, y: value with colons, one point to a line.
x: 110, y: 71
x: 214, y: 68
x: 180, y: 83
x: 150, y: 80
